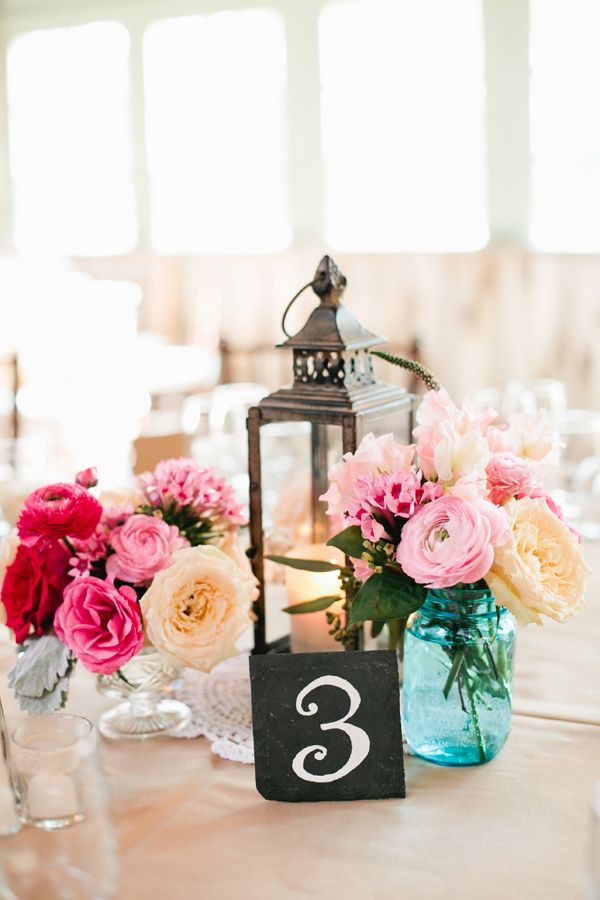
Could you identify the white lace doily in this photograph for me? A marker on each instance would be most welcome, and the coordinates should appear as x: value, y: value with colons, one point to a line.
x: 221, y: 708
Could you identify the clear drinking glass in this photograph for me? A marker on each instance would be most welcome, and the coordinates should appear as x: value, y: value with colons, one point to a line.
x: 70, y: 850
x: 575, y: 485
x: 530, y: 397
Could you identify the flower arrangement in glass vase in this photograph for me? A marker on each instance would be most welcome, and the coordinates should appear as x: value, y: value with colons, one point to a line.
x: 133, y: 585
x: 448, y: 537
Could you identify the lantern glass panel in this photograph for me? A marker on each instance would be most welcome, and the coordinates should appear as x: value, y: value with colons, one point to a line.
x: 286, y: 499
x: 396, y: 422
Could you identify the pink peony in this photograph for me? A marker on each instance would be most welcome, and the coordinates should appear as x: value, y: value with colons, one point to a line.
x: 182, y: 483
x: 100, y: 624
x: 57, y: 511
x: 509, y: 475
x: 87, y: 478
x: 143, y: 546
x: 450, y: 541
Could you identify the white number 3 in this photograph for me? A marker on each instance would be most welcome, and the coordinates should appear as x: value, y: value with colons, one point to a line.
x: 359, y: 739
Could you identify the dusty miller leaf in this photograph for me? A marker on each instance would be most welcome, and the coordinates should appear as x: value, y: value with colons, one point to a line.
x: 40, y: 676
x: 49, y: 702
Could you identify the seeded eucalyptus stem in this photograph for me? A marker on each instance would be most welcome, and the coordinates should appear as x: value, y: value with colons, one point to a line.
x: 425, y: 374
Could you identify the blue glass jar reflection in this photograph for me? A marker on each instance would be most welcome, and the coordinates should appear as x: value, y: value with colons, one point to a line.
x: 458, y: 669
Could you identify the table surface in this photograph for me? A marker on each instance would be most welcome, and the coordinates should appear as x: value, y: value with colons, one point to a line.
x: 192, y: 825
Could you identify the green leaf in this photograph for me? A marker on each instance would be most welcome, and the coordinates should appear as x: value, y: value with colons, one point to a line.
x: 349, y: 541
x: 377, y: 628
x: 389, y: 595
x: 307, y: 565
x: 311, y: 605
x: 454, y: 672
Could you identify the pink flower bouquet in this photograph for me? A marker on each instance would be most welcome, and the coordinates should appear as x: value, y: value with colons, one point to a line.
x: 77, y: 572
x: 445, y: 535
x: 462, y: 505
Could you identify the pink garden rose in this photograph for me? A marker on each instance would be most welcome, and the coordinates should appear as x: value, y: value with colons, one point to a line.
x: 100, y: 624
x: 450, y: 541
x: 87, y: 478
x: 57, y: 511
x: 143, y: 546
x: 509, y: 475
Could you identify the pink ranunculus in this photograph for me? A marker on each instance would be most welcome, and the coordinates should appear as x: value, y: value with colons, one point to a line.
x: 447, y: 542
x: 509, y: 475
x: 57, y: 511
x: 87, y: 478
x: 143, y: 546
x: 100, y: 624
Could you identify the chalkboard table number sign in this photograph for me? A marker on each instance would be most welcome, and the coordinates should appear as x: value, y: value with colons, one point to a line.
x: 327, y: 726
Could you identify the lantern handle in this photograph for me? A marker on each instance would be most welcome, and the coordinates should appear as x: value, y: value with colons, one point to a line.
x: 289, y: 306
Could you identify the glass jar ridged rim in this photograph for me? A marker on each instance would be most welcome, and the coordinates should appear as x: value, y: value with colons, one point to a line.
x: 464, y: 603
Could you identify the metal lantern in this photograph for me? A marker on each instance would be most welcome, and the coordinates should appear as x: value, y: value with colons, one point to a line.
x: 336, y: 392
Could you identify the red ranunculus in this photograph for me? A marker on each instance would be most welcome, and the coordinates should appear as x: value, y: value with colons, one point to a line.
x: 57, y: 511
x: 33, y: 589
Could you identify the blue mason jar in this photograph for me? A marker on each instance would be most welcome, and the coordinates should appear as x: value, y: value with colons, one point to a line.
x: 458, y: 669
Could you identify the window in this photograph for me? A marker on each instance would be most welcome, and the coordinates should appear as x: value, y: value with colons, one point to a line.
x: 216, y: 133
x: 403, y: 125
x: 564, y: 124
x: 70, y: 140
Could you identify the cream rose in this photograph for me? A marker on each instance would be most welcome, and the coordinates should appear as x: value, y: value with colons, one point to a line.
x: 196, y: 609
x: 541, y: 569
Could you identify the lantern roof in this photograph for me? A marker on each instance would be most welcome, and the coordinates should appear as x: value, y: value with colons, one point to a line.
x: 331, y: 326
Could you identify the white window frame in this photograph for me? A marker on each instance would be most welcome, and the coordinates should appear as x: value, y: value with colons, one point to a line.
x: 506, y: 25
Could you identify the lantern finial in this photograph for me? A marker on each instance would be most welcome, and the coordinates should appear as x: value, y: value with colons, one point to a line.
x: 329, y: 282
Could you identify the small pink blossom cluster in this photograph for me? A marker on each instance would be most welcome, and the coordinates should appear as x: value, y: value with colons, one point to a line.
x: 181, y: 483
x: 81, y: 566
x: 435, y: 508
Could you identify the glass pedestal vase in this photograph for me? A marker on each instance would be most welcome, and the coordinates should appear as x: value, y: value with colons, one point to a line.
x: 145, y: 685
x: 458, y: 669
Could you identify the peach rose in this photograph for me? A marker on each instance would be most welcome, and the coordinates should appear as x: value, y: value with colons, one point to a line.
x: 541, y: 569
x: 195, y: 610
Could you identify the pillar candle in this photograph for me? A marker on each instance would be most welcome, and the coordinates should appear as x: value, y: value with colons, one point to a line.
x: 310, y: 631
